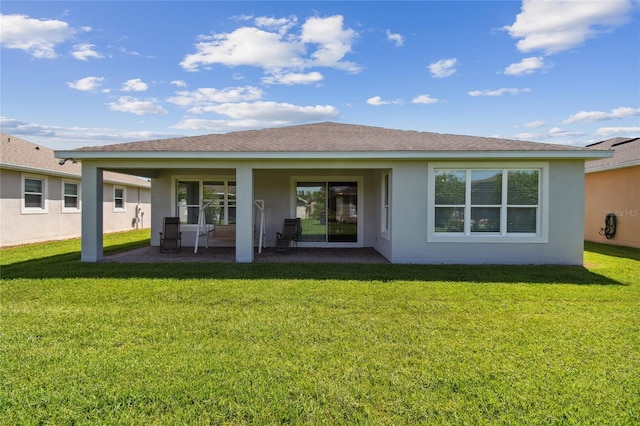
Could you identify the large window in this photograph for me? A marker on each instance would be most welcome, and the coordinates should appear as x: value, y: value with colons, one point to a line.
x: 484, y: 202
x: 219, y: 194
x: 71, y: 197
x: 34, y: 194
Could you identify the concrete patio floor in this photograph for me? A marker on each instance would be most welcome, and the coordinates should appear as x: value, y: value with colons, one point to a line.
x: 228, y: 255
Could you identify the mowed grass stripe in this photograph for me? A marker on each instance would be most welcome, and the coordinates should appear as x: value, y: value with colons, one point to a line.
x: 378, y: 346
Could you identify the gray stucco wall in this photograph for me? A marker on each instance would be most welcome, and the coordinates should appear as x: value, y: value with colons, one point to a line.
x: 565, y: 234
x: 17, y: 227
x: 275, y: 188
x: 408, y: 240
x: 20, y: 228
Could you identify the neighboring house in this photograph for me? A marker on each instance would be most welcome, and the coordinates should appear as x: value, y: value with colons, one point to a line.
x: 612, y: 185
x: 41, y: 199
x: 415, y: 197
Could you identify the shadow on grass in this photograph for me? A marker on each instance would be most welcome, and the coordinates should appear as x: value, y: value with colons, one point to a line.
x: 118, y: 248
x: 611, y: 250
x: 69, y: 266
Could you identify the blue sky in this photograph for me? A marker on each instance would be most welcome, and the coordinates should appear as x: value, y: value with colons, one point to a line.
x: 84, y: 73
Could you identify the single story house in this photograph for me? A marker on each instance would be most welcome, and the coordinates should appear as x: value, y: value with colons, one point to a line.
x: 41, y: 196
x: 415, y: 197
x: 612, y: 186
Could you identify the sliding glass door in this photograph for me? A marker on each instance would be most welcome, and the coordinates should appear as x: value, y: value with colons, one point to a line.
x: 328, y: 211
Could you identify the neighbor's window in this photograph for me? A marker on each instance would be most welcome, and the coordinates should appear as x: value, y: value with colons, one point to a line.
x: 496, y: 201
x: 118, y: 198
x: 71, y: 196
x: 34, y: 194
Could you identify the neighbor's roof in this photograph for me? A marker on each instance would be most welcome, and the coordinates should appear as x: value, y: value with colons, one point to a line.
x: 19, y: 154
x: 318, y: 139
x: 626, y: 153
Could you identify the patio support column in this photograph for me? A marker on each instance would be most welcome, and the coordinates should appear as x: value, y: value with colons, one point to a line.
x: 92, y: 205
x: 244, y: 214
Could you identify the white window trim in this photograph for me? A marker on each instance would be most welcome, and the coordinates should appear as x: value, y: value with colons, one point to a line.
x: 45, y: 192
x: 385, y: 211
x: 329, y: 178
x: 542, y: 236
x: 124, y: 199
x: 71, y: 209
x: 200, y: 179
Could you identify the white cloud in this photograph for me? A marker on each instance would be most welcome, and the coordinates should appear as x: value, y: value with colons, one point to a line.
x: 87, y: 84
x: 280, y: 25
x: 274, y: 111
x: 219, y: 126
x: 19, y: 127
x: 620, y: 131
x: 554, y: 26
x: 526, y: 136
x: 443, y: 68
x: 557, y: 131
x: 293, y: 78
x: 72, y: 137
x: 274, y: 48
x: 333, y: 42
x: 246, y: 46
x: 498, y: 92
x: 85, y: 51
x: 246, y: 115
x: 396, y: 38
x: 424, y: 99
x: 527, y: 66
x: 377, y: 101
x: 622, y: 112
x: 133, y: 52
x: 238, y: 18
x: 134, y: 85
x: 555, y: 135
x: 136, y: 106
x: 179, y: 83
x: 38, y: 37
x: 535, y: 124
x: 207, y: 96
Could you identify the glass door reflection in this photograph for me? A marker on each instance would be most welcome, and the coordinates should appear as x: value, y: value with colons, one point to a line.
x: 328, y: 211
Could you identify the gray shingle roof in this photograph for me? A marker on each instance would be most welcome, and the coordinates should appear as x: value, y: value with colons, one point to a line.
x: 626, y: 153
x: 19, y: 154
x: 328, y: 137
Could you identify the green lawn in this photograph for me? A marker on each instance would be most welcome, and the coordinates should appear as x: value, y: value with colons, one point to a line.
x: 317, y: 344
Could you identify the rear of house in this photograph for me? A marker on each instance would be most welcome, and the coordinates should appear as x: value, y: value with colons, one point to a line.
x: 41, y: 199
x: 612, y: 187
x: 416, y: 197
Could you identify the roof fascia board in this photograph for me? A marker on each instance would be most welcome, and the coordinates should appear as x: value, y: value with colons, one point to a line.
x: 613, y: 167
x: 352, y: 155
x: 47, y: 172
x: 39, y: 171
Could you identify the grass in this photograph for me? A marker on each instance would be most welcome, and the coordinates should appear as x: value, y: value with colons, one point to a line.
x: 317, y: 344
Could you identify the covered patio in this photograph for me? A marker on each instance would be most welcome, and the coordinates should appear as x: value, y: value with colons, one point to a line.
x: 408, y: 195
x: 151, y: 254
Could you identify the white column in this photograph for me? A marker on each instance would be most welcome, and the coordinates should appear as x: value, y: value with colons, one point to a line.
x: 92, y: 212
x: 244, y: 214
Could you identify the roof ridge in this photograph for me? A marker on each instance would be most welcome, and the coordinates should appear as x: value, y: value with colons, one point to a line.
x: 624, y: 142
